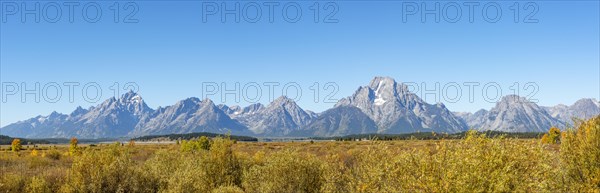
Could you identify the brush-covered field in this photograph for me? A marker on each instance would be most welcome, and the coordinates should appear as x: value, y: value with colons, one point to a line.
x: 476, y: 163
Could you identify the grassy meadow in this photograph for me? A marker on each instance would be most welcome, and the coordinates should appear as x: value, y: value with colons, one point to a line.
x: 475, y: 163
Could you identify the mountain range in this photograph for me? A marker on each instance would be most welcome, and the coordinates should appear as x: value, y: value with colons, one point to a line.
x: 383, y: 106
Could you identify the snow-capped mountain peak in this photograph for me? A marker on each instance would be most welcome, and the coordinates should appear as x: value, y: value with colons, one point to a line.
x: 130, y: 97
x: 396, y: 110
x: 384, y: 90
x: 379, y: 99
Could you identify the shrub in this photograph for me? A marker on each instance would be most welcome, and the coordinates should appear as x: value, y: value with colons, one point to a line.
x: 580, y: 157
x: 34, y: 152
x: 285, y: 171
x: 335, y: 174
x: 52, y: 154
x: 38, y: 185
x: 474, y: 164
x: 110, y: 170
x: 201, y: 144
x: 73, y: 149
x: 223, y: 163
x: 196, y: 171
x: 481, y: 164
x: 208, y: 170
x: 162, y: 166
x: 552, y: 137
x: 53, y: 177
x: 38, y: 162
x: 12, y: 183
x: 228, y: 189
x: 190, y: 176
x: 16, y: 145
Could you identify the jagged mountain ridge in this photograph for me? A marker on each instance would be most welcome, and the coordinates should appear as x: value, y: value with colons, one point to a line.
x: 516, y: 114
x: 582, y: 109
x: 187, y: 116
x: 112, y: 118
x: 383, y: 106
x: 281, y: 117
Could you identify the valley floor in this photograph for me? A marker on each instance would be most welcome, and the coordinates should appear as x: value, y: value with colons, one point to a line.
x: 475, y: 163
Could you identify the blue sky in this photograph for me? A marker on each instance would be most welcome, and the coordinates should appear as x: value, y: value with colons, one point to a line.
x: 170, y: 52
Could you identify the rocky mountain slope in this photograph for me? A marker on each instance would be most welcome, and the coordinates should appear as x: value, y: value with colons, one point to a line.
x: 383, y: 106
x: 512, y: 114
x: 581, y: 109
x: 396, y: 110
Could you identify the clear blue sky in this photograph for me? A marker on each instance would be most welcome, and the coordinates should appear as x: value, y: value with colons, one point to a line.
x: 170, y: 52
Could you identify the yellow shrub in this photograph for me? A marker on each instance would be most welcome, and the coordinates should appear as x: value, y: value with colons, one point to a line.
x: 38, y: 185
x: 110, y: 170
x: 12, y: 183
x: 52, y: 154
x: 552, y: 137
x: 162, y: 166
x: 34, y: 152
x: 189, y: 177
x: 474, y: 164
x: 203, y: 143
x: 370, y: 171
x: 201, y: 171
x: 228, y: 189
x: 73, y: 149
x: 285, y: 171
x: 580, y: 157
x: 16, y: 145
